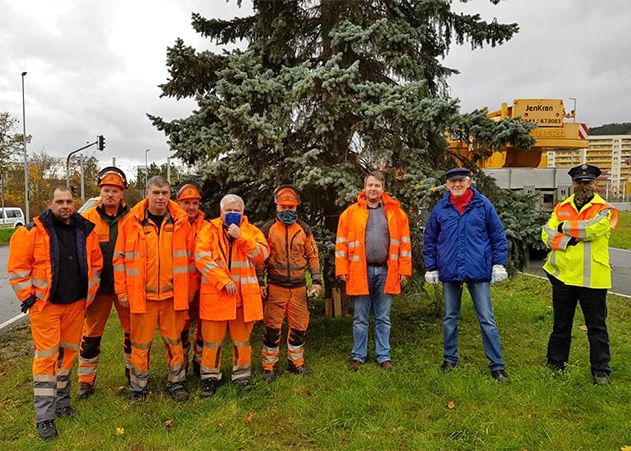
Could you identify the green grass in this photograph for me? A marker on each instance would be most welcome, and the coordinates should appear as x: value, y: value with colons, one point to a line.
x: 621, y: 235
x: 334, y: 408
x: 5, y: 235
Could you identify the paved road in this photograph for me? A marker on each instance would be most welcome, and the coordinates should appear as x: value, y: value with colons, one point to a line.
x: 9, y: 304
x: 620, y: 260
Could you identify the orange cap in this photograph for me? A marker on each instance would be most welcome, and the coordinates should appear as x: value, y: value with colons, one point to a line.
x: 286, y: 195
x: 112, y: 178
x: 189, y: 191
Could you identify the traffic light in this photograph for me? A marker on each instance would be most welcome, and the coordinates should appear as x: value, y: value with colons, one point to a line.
x: 75, y: 191
x: 100, y: 142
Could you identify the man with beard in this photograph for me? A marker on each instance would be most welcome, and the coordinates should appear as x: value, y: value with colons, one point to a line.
x: 578, y: 268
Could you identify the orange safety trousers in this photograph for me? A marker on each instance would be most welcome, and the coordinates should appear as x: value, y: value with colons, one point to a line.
x: 193, y: 317
x: 213, y: 334
x: 293, y: 303
x: 143, y: 326
x: 96, y: 317
x: 56, y: 331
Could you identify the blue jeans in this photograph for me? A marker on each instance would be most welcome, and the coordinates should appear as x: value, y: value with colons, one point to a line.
x: 481, y: 296
x: 380, y: 304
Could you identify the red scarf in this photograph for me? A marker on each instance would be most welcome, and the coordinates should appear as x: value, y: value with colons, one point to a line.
x: 461, y: 202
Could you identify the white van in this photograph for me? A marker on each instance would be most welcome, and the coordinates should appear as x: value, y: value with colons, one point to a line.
x: 11, y: 217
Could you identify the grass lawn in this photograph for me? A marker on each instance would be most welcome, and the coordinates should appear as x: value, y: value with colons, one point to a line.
x: 621, y: 235
x: 5, y: 235
x: 413, y: 407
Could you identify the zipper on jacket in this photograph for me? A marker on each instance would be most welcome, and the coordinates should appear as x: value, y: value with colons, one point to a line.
x: 287, y: 251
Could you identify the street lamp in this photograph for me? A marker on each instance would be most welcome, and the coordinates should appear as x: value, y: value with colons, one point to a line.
x: 573, y: 108
x: 146, y: 167
x: 26, y: 209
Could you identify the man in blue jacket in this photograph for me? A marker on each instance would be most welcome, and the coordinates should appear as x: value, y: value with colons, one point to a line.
x: 465, y: 242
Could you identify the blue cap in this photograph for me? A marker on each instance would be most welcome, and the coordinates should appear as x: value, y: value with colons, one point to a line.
x: 457, y: 173
x: 584, y: 173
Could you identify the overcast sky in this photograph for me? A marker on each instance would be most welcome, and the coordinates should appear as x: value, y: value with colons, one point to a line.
x: 94, y: 66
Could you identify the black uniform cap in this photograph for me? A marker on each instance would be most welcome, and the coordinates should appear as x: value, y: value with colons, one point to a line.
x: 584, y: 173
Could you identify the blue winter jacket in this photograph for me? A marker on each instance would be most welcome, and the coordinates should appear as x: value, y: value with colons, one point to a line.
x: 464, y: 247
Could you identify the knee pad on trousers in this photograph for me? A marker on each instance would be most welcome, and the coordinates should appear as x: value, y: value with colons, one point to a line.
x: 272, y: 337
x: 296, y: 337
x: 90, y: 347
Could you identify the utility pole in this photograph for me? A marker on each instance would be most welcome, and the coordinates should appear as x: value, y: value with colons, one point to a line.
x: 26, y: 199
x: 82, y: 181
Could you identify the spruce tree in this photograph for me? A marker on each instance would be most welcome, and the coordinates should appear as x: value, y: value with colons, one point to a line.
x: 323, y: 91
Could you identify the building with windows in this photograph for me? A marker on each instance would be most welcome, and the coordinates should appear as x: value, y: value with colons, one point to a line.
x: 611, y: 153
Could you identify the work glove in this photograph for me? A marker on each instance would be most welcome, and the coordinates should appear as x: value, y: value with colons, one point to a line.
x: 124, y: 302
x: 499, y: 273
x: 30, y: 302
x: 432, y: 277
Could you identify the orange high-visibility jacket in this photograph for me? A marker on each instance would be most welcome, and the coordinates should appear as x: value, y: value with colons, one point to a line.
x: 292, y: 250
x: 196, y: 227
x: 220, y: 261
x: 350, y: 246
x: 152, y: 266
x: 31, y: 262
x: 106, y: 229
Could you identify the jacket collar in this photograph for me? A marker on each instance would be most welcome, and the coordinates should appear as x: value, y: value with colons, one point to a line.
x: 177, y: 213
x: 387, y: 200
x: 595, y: 200
x: 82, y: 224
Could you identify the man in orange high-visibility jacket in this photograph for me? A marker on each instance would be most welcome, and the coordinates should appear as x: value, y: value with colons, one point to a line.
x: 152, y: 277
x: 373, y: 255
x: 54, y: 267
x: 227, y: 250
x: 189, y: 195
x: 292, y: 250
x: 106, y: 216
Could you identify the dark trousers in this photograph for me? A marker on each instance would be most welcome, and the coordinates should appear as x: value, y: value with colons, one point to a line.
x: 594, y: 306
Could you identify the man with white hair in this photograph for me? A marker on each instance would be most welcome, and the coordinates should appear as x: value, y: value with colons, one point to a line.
x: 226, y: 251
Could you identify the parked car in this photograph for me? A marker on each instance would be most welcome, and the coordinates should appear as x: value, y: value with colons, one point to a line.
x: 91, y: 202
x: 11, y: 217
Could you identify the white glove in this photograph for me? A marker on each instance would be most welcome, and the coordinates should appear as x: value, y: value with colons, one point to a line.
x: 499, y: 273
x: 432, y: 277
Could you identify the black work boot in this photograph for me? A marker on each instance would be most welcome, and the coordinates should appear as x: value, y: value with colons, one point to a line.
x: 85, y: 390
x: 243, y: 384
x: 47, y: 429
x: 269, y: 376
x: 66, y: 411
x: 179, y: 393
x: 210, y: 388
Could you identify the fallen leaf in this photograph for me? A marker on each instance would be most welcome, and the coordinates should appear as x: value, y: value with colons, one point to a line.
x: 169, y: 423
x: 583, y: 328
x: 120, y: 431
x: 251, y: 417
x: 451, y: 405
x: 531, y: 416
x: 626, y: 448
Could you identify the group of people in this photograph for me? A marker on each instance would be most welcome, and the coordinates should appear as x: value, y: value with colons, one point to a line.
x: 162, y: 264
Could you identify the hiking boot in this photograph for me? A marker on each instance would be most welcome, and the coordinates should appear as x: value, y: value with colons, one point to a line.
x: 297, y: 369
x: 139, y: 396
x: 387, y: 365
x: 243, y: 384
x: 47, y: 429
x: 179, y: 393
x: 555, y: 367
x: 66, y: 411
x: 600, y: 379
x: 269, y: 376
x: 354, y: 365
x: 85, y: 390
x: 209, y: 389
x: 500, y: 375
x: 446, y: 367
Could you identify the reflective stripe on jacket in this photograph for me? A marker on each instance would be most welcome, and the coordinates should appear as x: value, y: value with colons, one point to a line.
x: 585, y: 264
x: 350, y: 246
x: 196, y: 227
x: 292, y: 250
x: 106, y: 229
x: 33, y: 264
x: 152, y: 266
x: 221, y: 261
